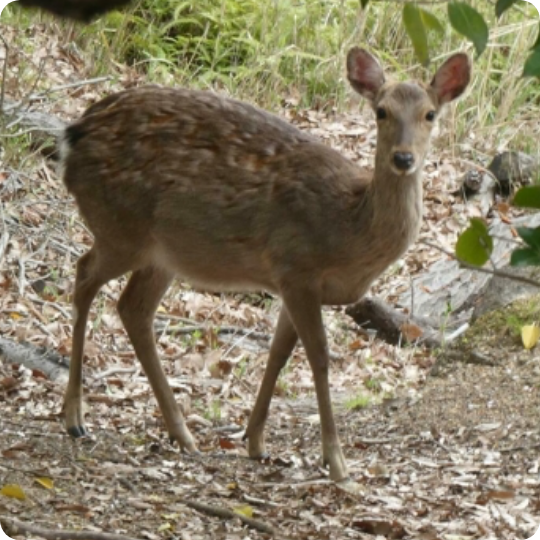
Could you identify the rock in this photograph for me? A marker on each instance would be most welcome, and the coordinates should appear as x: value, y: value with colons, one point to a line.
x: 450, y: 294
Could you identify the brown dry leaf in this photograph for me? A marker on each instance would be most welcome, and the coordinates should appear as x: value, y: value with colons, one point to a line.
x: 79, y: 508
x: 411, y: 332
x: 357, y: 344
x: 226, y: 444
x: 380, y: 526
x: 9, y: 383
x: 496, y: 495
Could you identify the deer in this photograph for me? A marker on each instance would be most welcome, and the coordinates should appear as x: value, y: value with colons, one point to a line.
x: 177, y: 182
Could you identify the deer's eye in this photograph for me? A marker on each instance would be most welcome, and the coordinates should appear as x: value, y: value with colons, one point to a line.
x: 430, y: 116
x: 381, y: 113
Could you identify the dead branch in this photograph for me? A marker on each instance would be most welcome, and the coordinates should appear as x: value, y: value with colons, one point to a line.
x: 390, y: 324
x: 4, y: 73
x: 48, y: 362
x: 180, y: 329
x: 14, y: 526
x: 224, y: 513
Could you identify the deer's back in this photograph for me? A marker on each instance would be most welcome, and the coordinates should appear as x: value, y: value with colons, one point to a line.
x: 225, y: 193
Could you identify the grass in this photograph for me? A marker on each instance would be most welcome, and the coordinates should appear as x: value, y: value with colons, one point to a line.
x: 213, y: 413
x: 359, y: 401
x: 267, y: 51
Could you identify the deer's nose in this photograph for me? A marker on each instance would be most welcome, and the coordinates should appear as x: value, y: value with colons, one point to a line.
x: 403, y: 160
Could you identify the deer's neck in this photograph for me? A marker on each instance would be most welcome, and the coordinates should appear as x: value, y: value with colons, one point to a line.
x: 396, y: 202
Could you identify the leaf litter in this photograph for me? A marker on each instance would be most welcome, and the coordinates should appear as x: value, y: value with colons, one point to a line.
x: 449, y: 457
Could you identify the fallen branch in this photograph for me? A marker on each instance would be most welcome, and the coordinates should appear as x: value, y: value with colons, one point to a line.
x: 50, y: 363
x: 391, y: 325
x: 224, y: 513
x: 77, y: 84
x: 219, y: 330
x: 14, y: 526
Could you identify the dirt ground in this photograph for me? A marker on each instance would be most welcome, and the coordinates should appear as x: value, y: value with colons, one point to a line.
x: 458, y: 459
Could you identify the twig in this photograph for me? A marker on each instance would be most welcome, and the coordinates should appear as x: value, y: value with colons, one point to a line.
x: 4, y: 74
x: 113, y: 371
x: 481, y: 269
x: 456, y: 333
x: 513, y: 449
x: 184, y: 320
x: 14, y: 526
x: 4, y: 241
x: 224, y: 513
x: 95, y: 80
x: 179, y: 329
x: 25, y: 259
x: 37, y: 300
x: 236, y: 343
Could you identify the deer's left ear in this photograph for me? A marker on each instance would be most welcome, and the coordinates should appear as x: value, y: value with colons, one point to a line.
x: 452, y: 78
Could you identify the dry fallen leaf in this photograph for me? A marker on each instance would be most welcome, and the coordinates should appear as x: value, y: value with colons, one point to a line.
x: 45, y: 482
x: 530, y: 333
x: 13, y: 491
x: 411, y: 332
x: 244, y: 510
x: 226, y: 444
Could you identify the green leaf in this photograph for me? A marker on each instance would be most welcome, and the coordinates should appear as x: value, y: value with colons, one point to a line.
x: 430, y: 21
x: 502, y: 5
x: 527, y: 197
x: 525, y: 257
x: 474, y: 245
x: 469, y: 23
x: 414, y: 25
x: 364, y: 3
x: 532, y: 65
x: 530, y: 236
x: 537, y: 42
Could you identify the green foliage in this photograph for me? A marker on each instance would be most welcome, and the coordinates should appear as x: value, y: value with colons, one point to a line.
x: 418, y: 22
x: 214, y: 412
x: 530, y: 255
x: 360, y: 401
x: 465, y: 20
x: 373, y: 384
x: 475, y: 245
x: 525, y: 257
x: 412, y: 19
x: 469, y: 23
x: 231, y: 43
x: 528, y: 197
x: 503, y: 5
x: 532, y: 64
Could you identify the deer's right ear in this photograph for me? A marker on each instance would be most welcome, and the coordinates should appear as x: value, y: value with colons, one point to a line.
x: 364, y: 73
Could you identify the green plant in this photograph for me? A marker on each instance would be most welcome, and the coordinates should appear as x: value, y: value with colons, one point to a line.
x: 475, y: 244
x: 213, y: 413
x: 241, y: 368
x: 373, y: 384
x: 359, y: 401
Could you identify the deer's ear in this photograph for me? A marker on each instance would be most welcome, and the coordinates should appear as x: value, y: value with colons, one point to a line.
x: 452, y: 78
x: 364, y: 73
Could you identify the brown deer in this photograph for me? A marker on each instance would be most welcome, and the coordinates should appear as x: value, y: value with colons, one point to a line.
x: 227, y: 196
